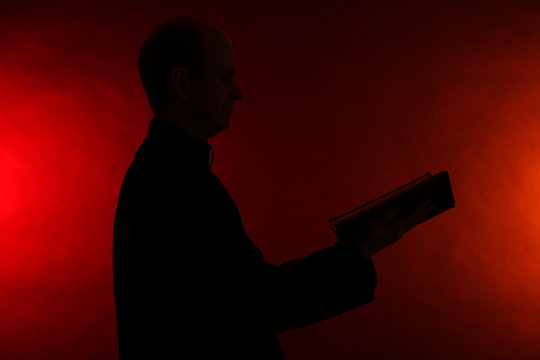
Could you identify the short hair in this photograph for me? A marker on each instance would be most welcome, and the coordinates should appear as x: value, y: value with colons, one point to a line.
x: 176, y: 42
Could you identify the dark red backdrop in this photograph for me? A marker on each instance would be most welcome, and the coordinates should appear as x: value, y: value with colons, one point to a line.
x: 341, y: 103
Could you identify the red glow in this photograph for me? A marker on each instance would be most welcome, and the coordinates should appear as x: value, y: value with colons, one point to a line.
x: 341, y: 104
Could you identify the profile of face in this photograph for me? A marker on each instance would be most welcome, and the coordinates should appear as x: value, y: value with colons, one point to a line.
x: 209, y: 99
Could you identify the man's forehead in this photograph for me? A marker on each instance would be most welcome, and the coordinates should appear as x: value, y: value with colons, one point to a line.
x: 219, y: 51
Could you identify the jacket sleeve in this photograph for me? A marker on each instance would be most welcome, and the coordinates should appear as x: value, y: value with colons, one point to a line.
x: 324, y: 284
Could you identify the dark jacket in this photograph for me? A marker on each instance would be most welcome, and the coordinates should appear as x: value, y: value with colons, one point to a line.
x: 189, y: 280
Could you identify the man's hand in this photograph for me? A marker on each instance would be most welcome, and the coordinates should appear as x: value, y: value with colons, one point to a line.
x: 387, y: 229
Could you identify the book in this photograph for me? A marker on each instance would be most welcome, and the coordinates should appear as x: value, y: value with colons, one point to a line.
x: 346, y: 226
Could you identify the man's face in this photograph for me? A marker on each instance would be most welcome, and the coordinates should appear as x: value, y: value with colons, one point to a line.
x: 212, y: 96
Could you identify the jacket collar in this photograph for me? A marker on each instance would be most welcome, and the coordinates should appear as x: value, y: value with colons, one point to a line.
x: 178, y: 141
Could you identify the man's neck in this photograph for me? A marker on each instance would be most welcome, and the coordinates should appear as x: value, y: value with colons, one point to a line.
x: 180, y: 122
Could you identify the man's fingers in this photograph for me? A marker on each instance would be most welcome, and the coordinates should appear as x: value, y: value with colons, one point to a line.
x: 419, y: 213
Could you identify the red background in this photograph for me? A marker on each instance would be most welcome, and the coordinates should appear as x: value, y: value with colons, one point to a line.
x: 343, y: 101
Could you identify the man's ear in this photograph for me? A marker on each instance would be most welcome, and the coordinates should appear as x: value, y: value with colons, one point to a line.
x: 179, y: 81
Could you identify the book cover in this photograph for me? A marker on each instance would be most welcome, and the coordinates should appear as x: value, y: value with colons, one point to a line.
x: 346, y: 226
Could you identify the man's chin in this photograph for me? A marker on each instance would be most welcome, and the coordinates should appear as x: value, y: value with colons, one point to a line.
x: 222, y: 126
x: 225, y: 124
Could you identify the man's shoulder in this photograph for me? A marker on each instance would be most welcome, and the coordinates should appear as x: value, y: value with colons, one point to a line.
x: 155, y: 170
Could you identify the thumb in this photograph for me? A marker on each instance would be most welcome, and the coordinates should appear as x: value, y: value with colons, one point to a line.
x: 383, y: 218
x: 389, y: 214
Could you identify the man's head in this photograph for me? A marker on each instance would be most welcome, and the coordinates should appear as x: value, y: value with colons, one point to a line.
x: 186, y: 68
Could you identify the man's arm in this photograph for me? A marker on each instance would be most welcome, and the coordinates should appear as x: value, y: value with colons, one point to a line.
x: 228, y: 270
x: 324, y: 284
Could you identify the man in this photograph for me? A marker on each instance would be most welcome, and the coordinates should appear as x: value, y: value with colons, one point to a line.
x: 189, y: 283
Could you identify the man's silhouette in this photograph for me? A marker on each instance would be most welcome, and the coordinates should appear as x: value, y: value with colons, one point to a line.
x: 188, y: 281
